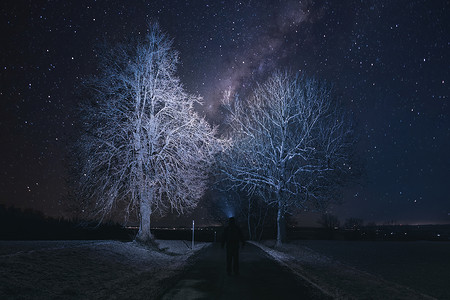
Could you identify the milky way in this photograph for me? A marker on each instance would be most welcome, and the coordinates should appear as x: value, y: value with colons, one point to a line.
x: 262, y: 47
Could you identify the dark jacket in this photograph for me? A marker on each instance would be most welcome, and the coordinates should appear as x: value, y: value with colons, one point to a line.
x: 232, y: 236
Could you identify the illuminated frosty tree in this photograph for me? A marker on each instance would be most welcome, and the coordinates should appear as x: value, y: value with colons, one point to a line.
x: 290, y: 143
x: 144, y: 147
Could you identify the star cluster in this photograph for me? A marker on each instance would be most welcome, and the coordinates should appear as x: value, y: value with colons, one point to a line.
x: 388, y: 62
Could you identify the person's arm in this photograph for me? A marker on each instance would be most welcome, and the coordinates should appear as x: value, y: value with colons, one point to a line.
x: 241, y: 236
x: 224, y: 238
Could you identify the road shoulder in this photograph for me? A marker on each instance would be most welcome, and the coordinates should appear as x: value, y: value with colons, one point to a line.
x: 338, y: 280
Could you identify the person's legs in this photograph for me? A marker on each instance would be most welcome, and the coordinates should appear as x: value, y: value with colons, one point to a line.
x: 229, y: 258
x: 236, y: 262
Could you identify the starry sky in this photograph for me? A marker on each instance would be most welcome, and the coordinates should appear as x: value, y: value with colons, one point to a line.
x: 388, y: 62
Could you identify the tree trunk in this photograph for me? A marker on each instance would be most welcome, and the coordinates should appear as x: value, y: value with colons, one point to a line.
x: 279, y: 242
x: 144, y: 235
x: 281, y: 226
x: 280, y: 223
x: 248, y: 219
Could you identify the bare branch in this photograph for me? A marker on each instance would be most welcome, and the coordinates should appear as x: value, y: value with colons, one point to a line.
x: 288, y: 142
x: 145, y: 148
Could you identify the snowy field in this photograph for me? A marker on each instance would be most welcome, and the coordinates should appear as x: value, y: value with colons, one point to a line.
x: 90, y: 269
x: 370, y: 270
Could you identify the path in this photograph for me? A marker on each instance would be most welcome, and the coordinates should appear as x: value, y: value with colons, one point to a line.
x: 260, y: 278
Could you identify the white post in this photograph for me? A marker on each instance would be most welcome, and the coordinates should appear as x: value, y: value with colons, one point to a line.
x: 192, y: 234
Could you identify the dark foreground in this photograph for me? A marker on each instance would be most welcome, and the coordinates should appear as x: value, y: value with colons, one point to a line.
x: 118, y: 270
x: 90, y: 269
x: 260, y: 278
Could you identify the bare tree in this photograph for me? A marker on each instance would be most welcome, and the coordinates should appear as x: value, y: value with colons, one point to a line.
x: 289, y: 141
x: 329, y: 221
x: 251, y: 208
x: 258, y: 213
x: 144, y: 147
x: 354, y: 223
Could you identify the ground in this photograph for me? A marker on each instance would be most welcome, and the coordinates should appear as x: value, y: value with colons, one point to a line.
x: 259, y: 278
x: 90, y: 269
x: 306, y: 269
x: 369, y: 269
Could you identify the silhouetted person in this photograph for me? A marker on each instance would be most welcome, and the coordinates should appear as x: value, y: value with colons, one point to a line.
x: 232, y: 236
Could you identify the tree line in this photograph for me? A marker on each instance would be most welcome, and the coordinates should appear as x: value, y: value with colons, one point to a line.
x: 17, y: 224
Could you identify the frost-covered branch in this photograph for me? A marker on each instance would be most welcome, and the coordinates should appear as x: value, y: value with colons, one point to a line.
x: 288, y: 141
x: 144, y: 147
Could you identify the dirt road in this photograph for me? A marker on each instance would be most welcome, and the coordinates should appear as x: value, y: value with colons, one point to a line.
x: 260, y: 278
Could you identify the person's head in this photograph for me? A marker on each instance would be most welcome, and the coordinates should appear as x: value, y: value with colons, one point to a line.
x: 231, y: 221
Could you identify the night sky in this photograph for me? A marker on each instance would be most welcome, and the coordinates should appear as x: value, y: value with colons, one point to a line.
x: 388, y: 62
